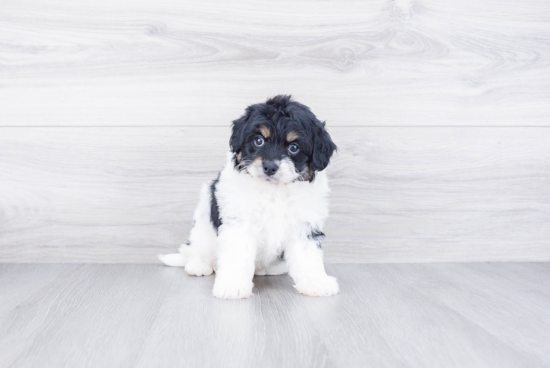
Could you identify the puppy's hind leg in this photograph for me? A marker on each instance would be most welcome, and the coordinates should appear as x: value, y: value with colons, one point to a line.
x: 198, y: 254
x: 194, y: 266
x: 198, y: 267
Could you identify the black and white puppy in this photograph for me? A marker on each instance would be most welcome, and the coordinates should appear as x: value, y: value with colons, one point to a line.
x: 264, y: 213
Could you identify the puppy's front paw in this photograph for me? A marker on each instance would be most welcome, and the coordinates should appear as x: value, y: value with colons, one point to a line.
x: 318, y: 286
x: 231, y: 288
x: 198, y: 267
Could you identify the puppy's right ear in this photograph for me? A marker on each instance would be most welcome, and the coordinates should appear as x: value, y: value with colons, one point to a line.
x: 238, y: 131
x: 324, y: 147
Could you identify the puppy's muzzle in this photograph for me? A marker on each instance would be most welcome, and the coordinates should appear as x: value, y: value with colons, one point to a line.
x: 270, y: 168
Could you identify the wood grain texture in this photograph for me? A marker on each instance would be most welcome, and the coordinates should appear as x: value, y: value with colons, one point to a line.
x: 356, y: 63
x: 394, y: 80
x: 414, y: 315
x: 399, y: 194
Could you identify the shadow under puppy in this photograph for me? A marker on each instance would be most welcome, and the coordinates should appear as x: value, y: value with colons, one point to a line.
x: 264, y: 213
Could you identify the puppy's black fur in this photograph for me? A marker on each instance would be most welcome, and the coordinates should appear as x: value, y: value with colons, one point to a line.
x: 281, y: 116
x: 214, y: 208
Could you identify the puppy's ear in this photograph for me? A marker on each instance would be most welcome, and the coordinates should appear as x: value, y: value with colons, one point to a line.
x: 323, y: 147
x: 239, y: 130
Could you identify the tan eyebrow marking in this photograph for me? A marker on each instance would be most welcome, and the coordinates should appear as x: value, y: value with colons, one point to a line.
x: 292, y: 136
x: 265, y: 131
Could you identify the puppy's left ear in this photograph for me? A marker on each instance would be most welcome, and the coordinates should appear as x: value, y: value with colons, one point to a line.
x: 323, y: 147
x: 239, y: 130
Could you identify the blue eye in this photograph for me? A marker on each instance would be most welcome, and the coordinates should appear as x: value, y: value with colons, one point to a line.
x: 259, y: 141
x: 293, y: 148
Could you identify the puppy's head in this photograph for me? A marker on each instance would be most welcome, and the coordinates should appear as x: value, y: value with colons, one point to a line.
x: 280, y: 141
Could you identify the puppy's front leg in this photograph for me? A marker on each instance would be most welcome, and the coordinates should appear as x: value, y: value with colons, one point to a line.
x: 235, y: 264
x: 305, y: 262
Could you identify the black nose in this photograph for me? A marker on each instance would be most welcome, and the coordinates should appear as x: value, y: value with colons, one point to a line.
x: 270, y: 168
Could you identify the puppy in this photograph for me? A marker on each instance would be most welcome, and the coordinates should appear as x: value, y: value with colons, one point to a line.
x: 264, y: 213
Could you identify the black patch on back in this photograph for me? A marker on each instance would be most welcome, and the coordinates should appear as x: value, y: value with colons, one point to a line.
x: 317, y: 236
x: 214, y: 209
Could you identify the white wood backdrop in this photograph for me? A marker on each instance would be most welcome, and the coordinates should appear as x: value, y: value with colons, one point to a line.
x: 112, y: 113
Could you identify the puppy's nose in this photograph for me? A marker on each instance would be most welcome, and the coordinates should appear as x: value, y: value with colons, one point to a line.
x: 270, y: 168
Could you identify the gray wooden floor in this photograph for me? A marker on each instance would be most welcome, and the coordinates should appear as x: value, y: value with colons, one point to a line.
x: 414, y: 315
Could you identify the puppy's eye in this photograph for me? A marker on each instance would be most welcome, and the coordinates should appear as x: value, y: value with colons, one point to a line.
x: 259, y: 141
x: 293, y: 148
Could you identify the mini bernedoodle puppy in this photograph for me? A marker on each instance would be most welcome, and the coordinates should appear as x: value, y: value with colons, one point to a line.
x: 264, y: 213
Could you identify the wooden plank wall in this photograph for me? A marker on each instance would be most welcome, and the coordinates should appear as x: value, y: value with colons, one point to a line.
x: 112, y: 114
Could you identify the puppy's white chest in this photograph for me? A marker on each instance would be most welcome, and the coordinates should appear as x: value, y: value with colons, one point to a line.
x: 274, y: 215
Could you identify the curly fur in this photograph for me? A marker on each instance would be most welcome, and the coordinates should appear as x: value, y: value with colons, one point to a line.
x: 264, y: 214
